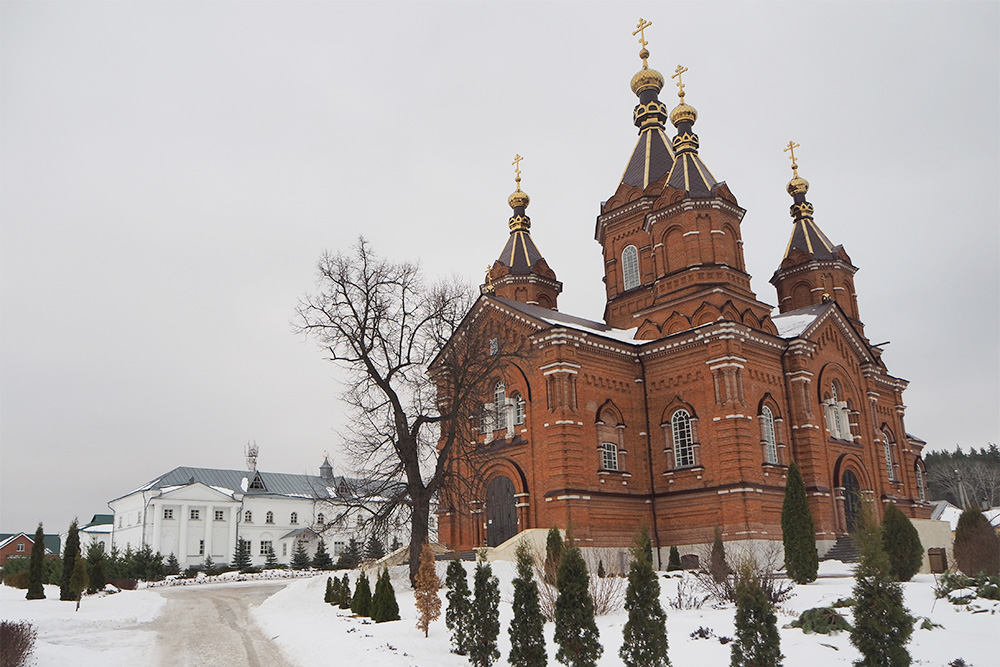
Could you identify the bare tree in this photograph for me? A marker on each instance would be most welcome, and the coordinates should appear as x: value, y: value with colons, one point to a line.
x: 417, y: 366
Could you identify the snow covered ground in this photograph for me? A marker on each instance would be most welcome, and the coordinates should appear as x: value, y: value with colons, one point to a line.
x: 108, y: 631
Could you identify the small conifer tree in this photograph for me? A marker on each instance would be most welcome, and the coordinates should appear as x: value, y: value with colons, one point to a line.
x: 70, y: 553
x: 300, y: 557
x: 350, y: 557
x: 576, y: 630
x: 172, y: 565
x: 321, y: 559
x: 674, y: 562
x: 95, y: 567
x: 209, y: 565
x: 328, y: 596
x: 241, y: 559
x: 645, y: 635
x: 553, y: 555
x: 36, y: 567
x: 526, y: 630
x: 374, y: 549
x: 717, y: 566
x: 901, y: 543
x: 485, y: 617
x: 882, y: 625
x: 361, y: 603
x: 345, y: 592
x: 384, y: 605
x: 426, y: 593
x: 757, y: 642
x: 797, y: 532
x: 977, y: 548
x: 78, y: 580
x: 456, y: 616
x: 271, y: 559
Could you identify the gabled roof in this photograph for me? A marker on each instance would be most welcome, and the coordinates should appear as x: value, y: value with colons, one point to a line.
x: 240, y: 481
x: 99, y: 520
x: 795, y: 322
x: 53, y: 543
x: 555, y: 318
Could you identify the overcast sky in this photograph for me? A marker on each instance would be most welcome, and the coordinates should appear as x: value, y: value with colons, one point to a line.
x: 171, y: 173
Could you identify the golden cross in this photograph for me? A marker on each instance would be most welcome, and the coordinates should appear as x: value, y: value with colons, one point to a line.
x: 791, y: 150
x: 640, y: 28
x: 517, y: 169
x: 677, y: 75
x: 489, y: 279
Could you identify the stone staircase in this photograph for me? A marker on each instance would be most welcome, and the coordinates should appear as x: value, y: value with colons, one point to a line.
x: 843, y: 550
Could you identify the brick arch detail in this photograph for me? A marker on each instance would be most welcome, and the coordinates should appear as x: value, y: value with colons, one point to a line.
x: 768, y: 400
x: 856, y: 465
x: 673, y: 406
x: 609, y: 407
x: 834, y: 371
x: 507, y: 468
x: 524, y: 379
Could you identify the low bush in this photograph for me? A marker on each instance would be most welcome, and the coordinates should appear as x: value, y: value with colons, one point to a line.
x: 17, y: 580
x: 821, y: 620
x: 17, y: 641
x: 124, y: 584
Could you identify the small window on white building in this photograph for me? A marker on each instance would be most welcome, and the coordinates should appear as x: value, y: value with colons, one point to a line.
x: 338, y: 548
x: 609, y: 456
x: 320, y: 519
x: 630, y: 267
x: 269, y: 518
x: 168, y: 513
x: 220, y: 515
x: 248, y: 517
x: 265, y: 547
x: 284, y: 548
x: 294, y: 518
x: 194, y: 515
x: 201, y: 547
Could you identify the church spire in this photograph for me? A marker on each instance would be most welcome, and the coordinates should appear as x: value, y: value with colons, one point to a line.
x: 689, y: 172
x: 521, y: 273
x: 653, y: 154
x: 806, y: 234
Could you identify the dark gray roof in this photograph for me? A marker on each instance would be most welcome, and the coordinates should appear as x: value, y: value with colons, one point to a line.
x: 652, y: 157
x: 275, y: 483
x: 520, y: 253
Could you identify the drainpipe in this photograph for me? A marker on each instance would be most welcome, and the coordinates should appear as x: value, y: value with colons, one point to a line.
x: 649, y: 460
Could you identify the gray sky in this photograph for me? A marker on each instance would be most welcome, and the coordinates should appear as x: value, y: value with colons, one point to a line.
x: 171, y: 173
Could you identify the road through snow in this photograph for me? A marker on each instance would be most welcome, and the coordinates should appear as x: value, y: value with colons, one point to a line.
x: 205, y: 626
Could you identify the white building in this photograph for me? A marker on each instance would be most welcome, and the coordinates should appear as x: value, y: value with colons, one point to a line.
x: 196, y: 512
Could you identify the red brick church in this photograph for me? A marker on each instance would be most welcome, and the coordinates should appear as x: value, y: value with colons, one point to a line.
x: 682, y: 409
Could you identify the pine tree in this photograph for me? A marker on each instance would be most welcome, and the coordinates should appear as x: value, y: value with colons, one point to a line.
x: 797, y: 532
x: 717, y: 566
x: 78, y: 580
x: 300, y: 557
x: 173, y: 566
x: 361, y: 603
x: 901, y: 543
x: 384, y: 605
x: 484, y: 625
x: 271, y: 559
x: 882, y: 625
x: 350, y: 557
x: 456, y: 616
x: 526, y: 630
x: 328, y: 596
x: 70, y: 553
x: 576, y: 630
x: 553, y: 555
x: 95, y: 567
x: 374, y: 549
x: 36, y: 567
x: 757, y: 642
x: 645, y: 635
x: 426, y: 592
x: 674, y: 562
x: 976, y: 544
x: 345, y: 592
x: 241, y: 559
x: 321, y: 560
x: 209, y: 565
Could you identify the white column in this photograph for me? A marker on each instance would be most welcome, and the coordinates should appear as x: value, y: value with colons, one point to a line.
x: 154, y: 507
x: 182, y: 537
x: 209, y: 529
x: 234, y: 518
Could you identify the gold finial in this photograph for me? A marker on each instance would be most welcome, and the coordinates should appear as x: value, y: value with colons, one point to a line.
x: 517, y: 169
x: 677, y: 75
x: 489, y: 280
x: 518, y: 197
x: 797, y: 185
x: 826, y: 293
x: 640, y: 29
x: 682, y: 113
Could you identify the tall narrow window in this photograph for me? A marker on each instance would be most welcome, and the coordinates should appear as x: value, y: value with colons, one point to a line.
x: 248, y: 517
x: 767, y: 430
x: 609, y: 456
x: 630, y: 267
x: 499, y: 405
x: 887, y: 446
x: 294, y: 518
x: 838, y: 422
x: 920, y: 482
x: 518, y: 408
x: 320, y: 519
x: 683, y: 442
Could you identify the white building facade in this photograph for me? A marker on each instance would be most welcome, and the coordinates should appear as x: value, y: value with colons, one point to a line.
x: 195, y: 513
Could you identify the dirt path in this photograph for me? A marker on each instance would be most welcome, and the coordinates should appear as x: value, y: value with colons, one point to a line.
x: 205, y: 626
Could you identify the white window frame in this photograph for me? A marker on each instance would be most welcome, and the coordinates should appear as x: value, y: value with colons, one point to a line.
x: 499, y: 405
x: 220, y: 515
x: 320, y: 519
x: 889, y: 463
x: 264, y: 544
x: 683, y: 439
x: 20, y: 547
x: 269, y: 517
x: 630, y: 268
x: 921, y: 493
x: 609, y: 456
x: 201, y: 547
x: 168, y: 514
x: 768, y: 434
x: 519, y: 408
x: 294, y: 519
x: 248, y: 516
x: 194, y: 515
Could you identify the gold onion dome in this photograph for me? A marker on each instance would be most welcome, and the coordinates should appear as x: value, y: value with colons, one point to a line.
x: 518, y: 198
x: 682, y: 113
x: 646, y: 78
x: 798, y: 186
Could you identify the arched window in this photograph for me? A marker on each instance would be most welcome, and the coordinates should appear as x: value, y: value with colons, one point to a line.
x: 767, y: 433
x: 269, y: 518
x: 248, y: 517
x: 921, y: 493
x: 294, y: 518
x: 838, y: 420
x: 519, y: 408
x: 320, y: 519
x: 630, y: 267
x: 680, y: 425
x: 887, y: 446
x: 609, y: 456
x: 500, y: 405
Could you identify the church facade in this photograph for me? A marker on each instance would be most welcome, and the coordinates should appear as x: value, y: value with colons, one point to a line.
x: 682, y: 410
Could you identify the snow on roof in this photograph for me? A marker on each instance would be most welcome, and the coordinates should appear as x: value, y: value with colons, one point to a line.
x: 556, y: 318
x: 794, y: 323
x: 97, y: 528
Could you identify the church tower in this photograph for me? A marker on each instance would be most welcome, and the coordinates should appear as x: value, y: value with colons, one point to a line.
x: 521, y: 273
x: 673, y: 252
x: 813, y: 270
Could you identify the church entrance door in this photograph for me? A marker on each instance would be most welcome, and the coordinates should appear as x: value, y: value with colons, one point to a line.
x: 852, y: 499
x: 501, y: 515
